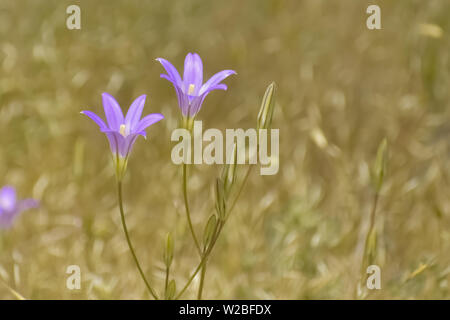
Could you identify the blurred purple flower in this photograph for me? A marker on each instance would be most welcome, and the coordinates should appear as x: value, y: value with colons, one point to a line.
x: 10, y: 207
x: 121, y: 131
x: 191, y: 91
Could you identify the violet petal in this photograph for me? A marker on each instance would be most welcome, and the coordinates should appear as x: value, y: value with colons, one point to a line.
x: 113, y: 112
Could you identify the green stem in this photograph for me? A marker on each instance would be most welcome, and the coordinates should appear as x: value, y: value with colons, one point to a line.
x: 202, y: 281
x: 242, y: 188
x: 186, y: 205
x: 213, y: 242
x: 130, y: 246
x: 203, y: 270
x: 202, y: 261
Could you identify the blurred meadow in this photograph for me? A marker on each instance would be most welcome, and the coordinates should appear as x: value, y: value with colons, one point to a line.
x: 296, y: 235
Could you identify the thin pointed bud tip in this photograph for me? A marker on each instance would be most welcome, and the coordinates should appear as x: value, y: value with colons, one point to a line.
x: 264, y: 120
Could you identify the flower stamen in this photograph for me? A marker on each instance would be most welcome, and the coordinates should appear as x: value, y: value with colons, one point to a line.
x: 191, y: 89
x: 122, y: 130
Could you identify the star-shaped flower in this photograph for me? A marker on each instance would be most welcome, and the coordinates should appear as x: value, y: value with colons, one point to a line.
x: 191, y: 91
x: 121, y: 131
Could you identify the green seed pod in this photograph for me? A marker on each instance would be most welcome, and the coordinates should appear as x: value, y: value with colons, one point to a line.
x: 171, y: 290
x: 210, y: 230
x: 380, y: 166
x: 168, y: 250
x: 267, y: 106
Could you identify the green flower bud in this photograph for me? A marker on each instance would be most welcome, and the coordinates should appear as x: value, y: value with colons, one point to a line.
x: 171, y: 290
x: 168, y: 250
x: 267, y: 106
x: 210, y: 230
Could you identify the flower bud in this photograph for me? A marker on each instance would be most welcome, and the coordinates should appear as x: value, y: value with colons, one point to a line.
x: 267, y: 106
x: 210, y: 230
x: 171, y: 290
x: 168, y: 250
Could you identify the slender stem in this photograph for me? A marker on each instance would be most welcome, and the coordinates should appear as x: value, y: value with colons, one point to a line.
x: 186, y: 205
x: 130, y: 246
x: 13, y: 292
x: 207, y: 252
x: 241, y: 188
x: 203, y: 270
x: 202, y: 281
x: 202, y: 261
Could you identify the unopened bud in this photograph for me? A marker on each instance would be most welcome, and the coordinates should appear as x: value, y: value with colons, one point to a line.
x: 267, y: 106
x: 210, y: 230
x: 168, y: 250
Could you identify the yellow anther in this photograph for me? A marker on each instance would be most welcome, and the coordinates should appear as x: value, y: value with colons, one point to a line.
x: 122, y: 130
x: 191, y: 89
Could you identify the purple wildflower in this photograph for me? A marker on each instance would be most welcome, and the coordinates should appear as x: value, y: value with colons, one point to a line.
x: 191, y: 91
x: 10, y: 207
x: 121, y: 131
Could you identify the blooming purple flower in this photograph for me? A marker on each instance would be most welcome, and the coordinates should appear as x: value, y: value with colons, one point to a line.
x: 10, y: 207
x: 121, y: 131
x: 191, y: 91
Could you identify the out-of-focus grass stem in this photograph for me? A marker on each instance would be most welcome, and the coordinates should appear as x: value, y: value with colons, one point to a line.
x: 167, y: 280
x: 13, y: 292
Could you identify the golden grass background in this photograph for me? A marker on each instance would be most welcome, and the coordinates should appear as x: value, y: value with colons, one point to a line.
x: 295, y: 235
